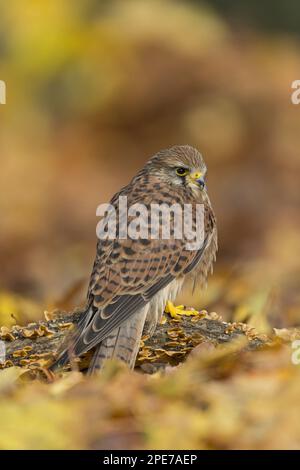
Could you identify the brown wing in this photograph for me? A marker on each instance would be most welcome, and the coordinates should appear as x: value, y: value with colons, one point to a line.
x: 126, y: 275
x: 118, y: 298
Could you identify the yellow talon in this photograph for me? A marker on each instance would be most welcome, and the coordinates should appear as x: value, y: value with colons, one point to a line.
x: 175, y: 312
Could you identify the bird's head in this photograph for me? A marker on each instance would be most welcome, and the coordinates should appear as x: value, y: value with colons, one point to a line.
x: 181, y: 165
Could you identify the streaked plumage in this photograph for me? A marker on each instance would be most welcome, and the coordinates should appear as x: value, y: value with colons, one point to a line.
x: 132, y: 279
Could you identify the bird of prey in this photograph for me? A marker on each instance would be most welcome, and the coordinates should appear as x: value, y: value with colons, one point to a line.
x: 133, y: 278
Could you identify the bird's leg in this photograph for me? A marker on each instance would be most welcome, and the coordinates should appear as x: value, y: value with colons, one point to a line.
x: 176, y: 312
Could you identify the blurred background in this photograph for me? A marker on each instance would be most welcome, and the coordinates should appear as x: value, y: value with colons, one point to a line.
x: 94, y: 88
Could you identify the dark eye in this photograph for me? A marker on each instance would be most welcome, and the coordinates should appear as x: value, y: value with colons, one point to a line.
x: 181, y: 171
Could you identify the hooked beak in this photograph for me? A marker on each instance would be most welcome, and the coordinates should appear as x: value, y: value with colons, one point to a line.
x: 198, y: 177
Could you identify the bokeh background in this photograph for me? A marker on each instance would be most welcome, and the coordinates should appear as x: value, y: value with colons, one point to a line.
x: 96, y: 87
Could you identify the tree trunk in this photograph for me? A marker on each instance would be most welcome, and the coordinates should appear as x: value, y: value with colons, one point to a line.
x: 36, y: 345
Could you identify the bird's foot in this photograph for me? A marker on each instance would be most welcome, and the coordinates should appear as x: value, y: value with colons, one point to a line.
x: 176, y: 312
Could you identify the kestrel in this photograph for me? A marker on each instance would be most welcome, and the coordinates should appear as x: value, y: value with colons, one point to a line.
x: 133, y: 278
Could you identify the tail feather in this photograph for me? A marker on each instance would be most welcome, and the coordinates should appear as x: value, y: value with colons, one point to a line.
x: 62, y: 361
x: 122, y: 343
x: 68, y: 346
